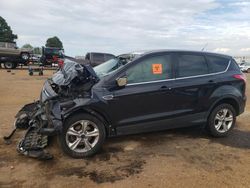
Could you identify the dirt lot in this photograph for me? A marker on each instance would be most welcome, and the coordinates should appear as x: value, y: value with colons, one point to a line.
x: 184, y: 157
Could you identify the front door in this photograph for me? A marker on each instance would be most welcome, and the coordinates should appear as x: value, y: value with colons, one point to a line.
x: 147, y: 98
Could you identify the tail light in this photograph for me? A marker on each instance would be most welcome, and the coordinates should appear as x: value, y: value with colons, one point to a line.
x: 240, y: 77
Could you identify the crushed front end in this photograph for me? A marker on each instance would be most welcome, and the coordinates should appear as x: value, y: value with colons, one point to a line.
x: 43, y: 118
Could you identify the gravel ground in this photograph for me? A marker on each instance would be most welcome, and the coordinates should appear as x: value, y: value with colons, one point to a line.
x: 184, y: 157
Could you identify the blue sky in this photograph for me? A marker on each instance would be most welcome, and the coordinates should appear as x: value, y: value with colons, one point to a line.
x: 123, y: 26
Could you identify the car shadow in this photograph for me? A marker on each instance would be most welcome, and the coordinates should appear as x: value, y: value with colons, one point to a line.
x: 236, y: 139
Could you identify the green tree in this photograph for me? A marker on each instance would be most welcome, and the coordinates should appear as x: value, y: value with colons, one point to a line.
x: 6, y: 34
x: 27, y: 46
x: 54, y: 42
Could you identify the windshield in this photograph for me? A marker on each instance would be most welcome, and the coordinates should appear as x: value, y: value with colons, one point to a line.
x: 114, y: 64
x: 109, y: 66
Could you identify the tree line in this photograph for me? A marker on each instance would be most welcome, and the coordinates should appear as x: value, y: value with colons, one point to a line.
x: 6, y: 35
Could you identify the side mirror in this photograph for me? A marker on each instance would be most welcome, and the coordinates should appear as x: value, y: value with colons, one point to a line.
x: 121, y: 81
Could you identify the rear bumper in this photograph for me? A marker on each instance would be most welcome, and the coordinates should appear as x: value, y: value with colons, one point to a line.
x: 242, y: 105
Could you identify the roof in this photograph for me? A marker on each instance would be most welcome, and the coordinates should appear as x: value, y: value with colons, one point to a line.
x: 144, y: 52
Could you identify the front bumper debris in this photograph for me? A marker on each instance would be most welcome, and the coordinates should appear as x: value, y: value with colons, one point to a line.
x: 40, y: 121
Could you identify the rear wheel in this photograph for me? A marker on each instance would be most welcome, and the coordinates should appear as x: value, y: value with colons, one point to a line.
x: 221, y: 120
x: 10, y: 65
x: 83, y: 135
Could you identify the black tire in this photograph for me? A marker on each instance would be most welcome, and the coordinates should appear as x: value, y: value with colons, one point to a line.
x: 211, y: 127
x: 25, y: 56
x: 10, y: 65
x: 71, y: 121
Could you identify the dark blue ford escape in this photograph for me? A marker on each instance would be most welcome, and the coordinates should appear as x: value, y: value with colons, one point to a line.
x: 134, y: 93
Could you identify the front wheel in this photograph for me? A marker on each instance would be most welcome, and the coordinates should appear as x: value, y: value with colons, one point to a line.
x: 83, y: 135
x: 25, y: 56
x: 221, y: 120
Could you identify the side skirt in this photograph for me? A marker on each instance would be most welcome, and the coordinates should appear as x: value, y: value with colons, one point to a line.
x: 185, y: 121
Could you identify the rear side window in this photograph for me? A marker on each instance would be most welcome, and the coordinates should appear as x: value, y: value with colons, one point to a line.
x: 217, y: 64
x: 151, y: 69
x: 191, y: 65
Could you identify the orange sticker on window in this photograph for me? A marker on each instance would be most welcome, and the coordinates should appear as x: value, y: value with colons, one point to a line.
x: 157, y: 68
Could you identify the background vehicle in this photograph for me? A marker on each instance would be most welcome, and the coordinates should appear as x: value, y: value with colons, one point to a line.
x: 11, y: 56
x: 245, y: 67
x: 35, y: 57
x: 96, y: 58
x: 49, y: 55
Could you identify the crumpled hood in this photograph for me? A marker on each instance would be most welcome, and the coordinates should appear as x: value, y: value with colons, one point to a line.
x: 72, y: 70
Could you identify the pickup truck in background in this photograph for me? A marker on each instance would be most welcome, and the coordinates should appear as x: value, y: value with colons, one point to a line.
x: 96, y: 58
x: 11, y: 56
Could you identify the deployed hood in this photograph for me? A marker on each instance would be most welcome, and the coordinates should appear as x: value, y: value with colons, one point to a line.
x: 72, y: 70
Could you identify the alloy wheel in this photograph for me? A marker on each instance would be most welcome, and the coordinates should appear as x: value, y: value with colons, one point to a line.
x: 82, y: 136
x: 223, y: 120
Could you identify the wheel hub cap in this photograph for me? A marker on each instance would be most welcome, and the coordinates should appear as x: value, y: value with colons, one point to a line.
x: 82, y: 136
x: 223, y: 120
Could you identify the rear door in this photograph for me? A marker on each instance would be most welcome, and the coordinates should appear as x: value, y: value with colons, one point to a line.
x: 192, y: 86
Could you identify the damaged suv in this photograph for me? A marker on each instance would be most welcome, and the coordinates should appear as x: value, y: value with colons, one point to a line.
x: 133, y: 93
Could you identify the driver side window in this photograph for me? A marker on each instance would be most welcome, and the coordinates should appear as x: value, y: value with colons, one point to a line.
x: 151, y: 69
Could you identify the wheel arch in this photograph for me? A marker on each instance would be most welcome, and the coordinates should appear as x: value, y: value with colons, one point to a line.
x: 227, y: 100
x: 100, y: 116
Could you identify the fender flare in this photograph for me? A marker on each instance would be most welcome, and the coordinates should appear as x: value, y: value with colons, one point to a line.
x: 110, y: 130
x: 216, y: 102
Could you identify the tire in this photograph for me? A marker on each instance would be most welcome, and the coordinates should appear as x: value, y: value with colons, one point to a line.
x: 221, y: 121
x: 248, y: 70
x: 9, y: 65
x: 25, y: 56
x: 73, y: 132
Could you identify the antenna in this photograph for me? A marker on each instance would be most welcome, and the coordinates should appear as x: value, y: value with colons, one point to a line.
x: 204, y: 47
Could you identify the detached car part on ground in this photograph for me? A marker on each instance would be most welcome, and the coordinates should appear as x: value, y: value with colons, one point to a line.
x: 132, y: 93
